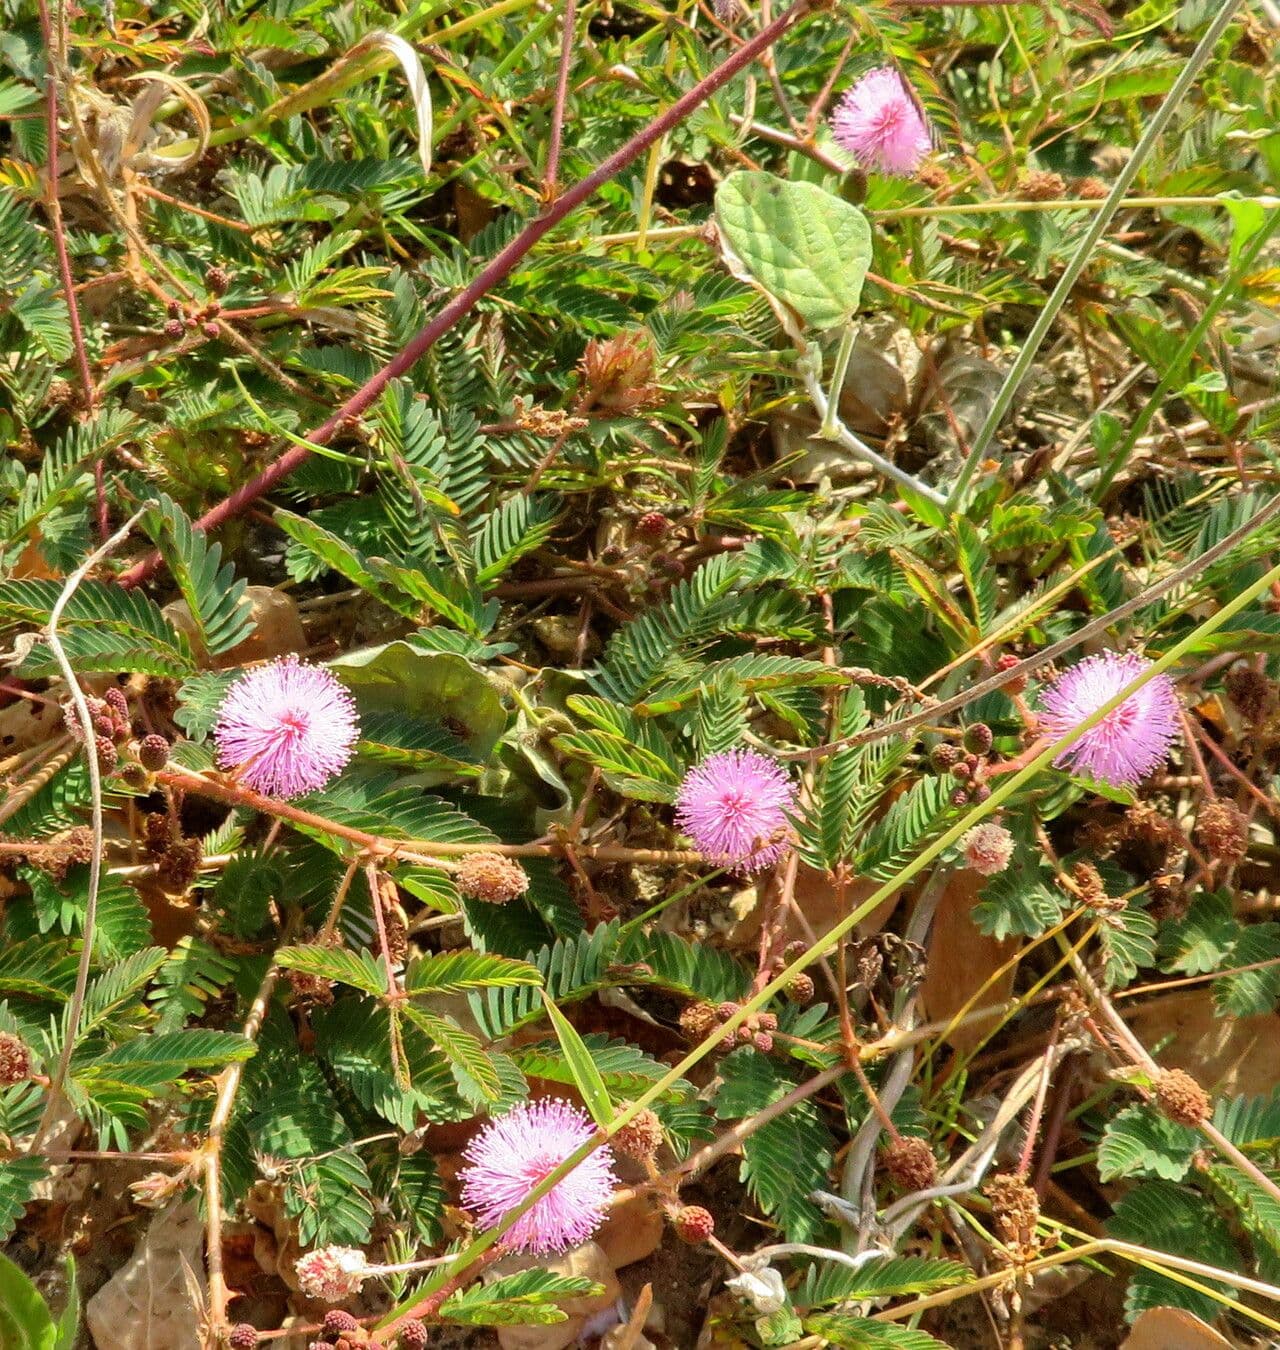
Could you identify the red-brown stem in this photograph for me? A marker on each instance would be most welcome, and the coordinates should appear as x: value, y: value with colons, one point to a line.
x: 552, y: 170
x: 409, y: 850
x: 495, y: 271
x: 1037, y: 1108
x: 54, y: 207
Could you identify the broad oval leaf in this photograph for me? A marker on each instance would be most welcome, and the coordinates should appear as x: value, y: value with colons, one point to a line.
x: 804, y: 245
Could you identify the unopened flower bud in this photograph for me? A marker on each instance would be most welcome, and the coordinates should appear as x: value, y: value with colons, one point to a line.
x: 243, y: 1336
x: 978, y: 739
x: 108, y: 755
x: 763, y: 1042
x: 943, y: 756
x: 336, y: 1321
x: 153, y: 752
x: 801, y: 990
x: 694, y: 1224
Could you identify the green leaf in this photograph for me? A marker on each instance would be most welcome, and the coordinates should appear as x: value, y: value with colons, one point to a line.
x: 358, y: 969
x: 18, y: 1180
x: 115, y: 620
x: 212, y: 593
x: 1161, y: 1216
x: 1021, y: 901
x: 586, y: 1077
x: 1203, y: 939
x: 832, y: 1282
x: 1142, y: 1142
x: 69, y: 1323
x: 851, y: 1332
x: 807, y: 247
x: 452, y: 972
x: 473, y: 1070
x: 518, y: 526
x: 1251, y: 991
x: 526, y: 1299
x: 25, y: 1320
x: 423, y: 692
x: 786, y: 1159
x: 151, y: 1061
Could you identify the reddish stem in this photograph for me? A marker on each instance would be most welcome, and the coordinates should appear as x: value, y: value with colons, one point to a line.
x: 495, y: 271
x: 562, y: 95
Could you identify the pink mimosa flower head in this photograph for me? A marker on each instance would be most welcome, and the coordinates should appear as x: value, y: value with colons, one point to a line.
x: 879, y: 124
x: 288, y: 727
x: 987, y: 848
x: 1133, y: 739
x: 331, y: 1273
x: 734, y: 807
x: 513, y: 1153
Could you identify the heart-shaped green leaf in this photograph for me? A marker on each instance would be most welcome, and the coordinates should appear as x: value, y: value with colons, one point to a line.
x: 804, y: 245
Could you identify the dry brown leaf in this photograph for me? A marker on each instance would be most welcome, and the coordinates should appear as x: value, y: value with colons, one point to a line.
x: 1173, y: 1329
x: 632, y: 1231
x: 1226, y: 1054
x: 961, y: 960
x: 150, y: 1303
x: 276, y: 631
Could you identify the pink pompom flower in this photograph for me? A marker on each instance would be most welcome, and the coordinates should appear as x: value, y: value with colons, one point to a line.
x: 287, y: 727
x: 332, y: 1273
x: 987, y: 848
x: 1133, y: 739
x: 734, y: 806
x: 513, y: 1153
x: 880, y: 125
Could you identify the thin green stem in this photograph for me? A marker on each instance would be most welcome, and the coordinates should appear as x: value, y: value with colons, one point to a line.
x: 1066, y: 283
x: 831, y: 421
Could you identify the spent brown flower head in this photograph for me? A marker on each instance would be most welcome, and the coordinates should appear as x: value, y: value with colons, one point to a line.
x: 1181, y: 1098
x: 911, y: 1164
x: 15, y: 1060
x: 491, y: 877
x: 1252, y: 694
x: 618, y: 372
x: 1015, y: 1208
x: 639, y: 1138
x: 1222, y: 830
x: 1041, y: 186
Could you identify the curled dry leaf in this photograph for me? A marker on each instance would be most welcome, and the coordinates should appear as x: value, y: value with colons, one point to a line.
x: 1172, y: 1329
x: 155, y: 1301
x: 961, y: 962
